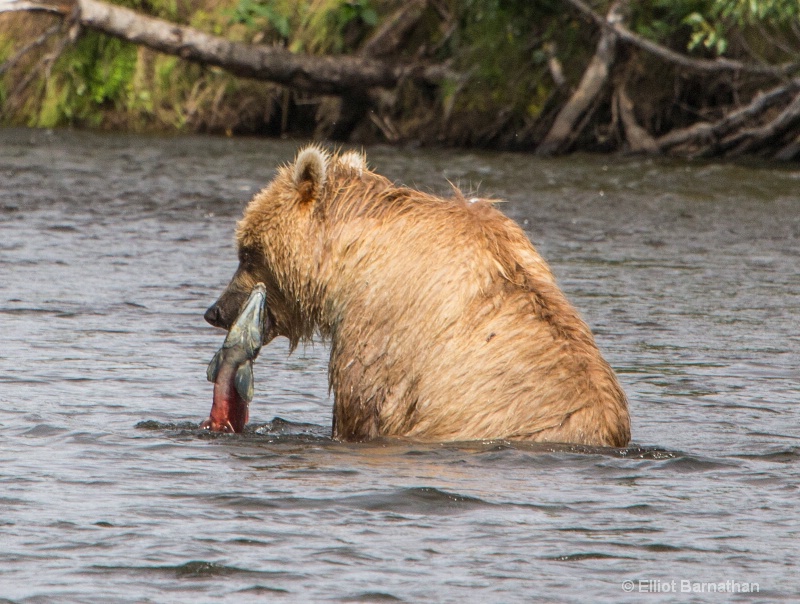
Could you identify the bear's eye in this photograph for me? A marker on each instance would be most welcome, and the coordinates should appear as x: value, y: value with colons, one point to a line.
x: 246, y: 256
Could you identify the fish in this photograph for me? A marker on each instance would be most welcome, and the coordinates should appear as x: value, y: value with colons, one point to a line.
x: 231, y: 369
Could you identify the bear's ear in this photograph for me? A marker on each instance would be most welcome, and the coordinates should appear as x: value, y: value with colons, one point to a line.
x: 310, y: 169
x: 354, y: 161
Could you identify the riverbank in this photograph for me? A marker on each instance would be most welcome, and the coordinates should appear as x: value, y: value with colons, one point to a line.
x: 657, y: 77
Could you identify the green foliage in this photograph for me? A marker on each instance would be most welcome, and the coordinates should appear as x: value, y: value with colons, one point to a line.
x: 171, y: 83
x: 711, y: 28
x: 332, y: 26
x: 257, y: 15
x: 164, y: 9
x: 662, y: 20
x: 744, y: 12
x: 710, y: 34
x: 6, y: 48
x: 92, y: 76
x: 499, y: 48
x: 356, y: 10
x: 499, y: 43
x: 710, y: 24
x: 307, y: 26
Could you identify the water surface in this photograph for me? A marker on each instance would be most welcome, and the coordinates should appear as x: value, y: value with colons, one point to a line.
x: 111, y: 248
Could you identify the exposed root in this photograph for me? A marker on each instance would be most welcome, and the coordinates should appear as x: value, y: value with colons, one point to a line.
x: 637, y: 138
x: 563, y: 132
x: 706, y: 138
x: 752, y: 139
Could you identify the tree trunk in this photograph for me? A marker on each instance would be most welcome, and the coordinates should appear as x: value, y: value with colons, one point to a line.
x: 638, y: 139
x: 563, y: 132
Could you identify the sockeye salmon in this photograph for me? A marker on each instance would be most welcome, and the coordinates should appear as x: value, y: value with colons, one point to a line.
x: 231, y: 369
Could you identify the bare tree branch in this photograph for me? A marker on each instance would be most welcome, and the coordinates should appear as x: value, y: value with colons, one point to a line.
x: 12, y: 61
x: 709, y: 134
x: 395, y: 30
x: 15, y: 96
x: 750, y: 139
x: 677, y: 58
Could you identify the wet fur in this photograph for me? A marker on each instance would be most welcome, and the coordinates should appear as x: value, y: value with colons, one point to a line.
x: 444, y: 321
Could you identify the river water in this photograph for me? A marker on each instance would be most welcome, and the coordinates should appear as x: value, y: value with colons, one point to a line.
x: 112, y: 247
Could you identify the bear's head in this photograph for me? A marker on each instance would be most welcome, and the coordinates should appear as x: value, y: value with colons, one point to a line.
x: 282, y: 241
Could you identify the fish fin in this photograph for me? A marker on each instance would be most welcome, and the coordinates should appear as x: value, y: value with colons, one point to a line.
x: 244, y: 381
x: 213, y: 367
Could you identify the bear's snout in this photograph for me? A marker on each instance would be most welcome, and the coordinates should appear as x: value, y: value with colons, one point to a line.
x: 214, y: 316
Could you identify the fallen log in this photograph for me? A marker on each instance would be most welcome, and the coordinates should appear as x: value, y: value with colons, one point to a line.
x: 320, y: 74
x: 753, y: 139
x: 706, y: 136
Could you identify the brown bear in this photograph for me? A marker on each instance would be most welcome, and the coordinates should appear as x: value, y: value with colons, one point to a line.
x: 445, y: 323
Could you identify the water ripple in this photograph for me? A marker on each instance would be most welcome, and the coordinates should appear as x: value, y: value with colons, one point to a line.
x: 112, y: 248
